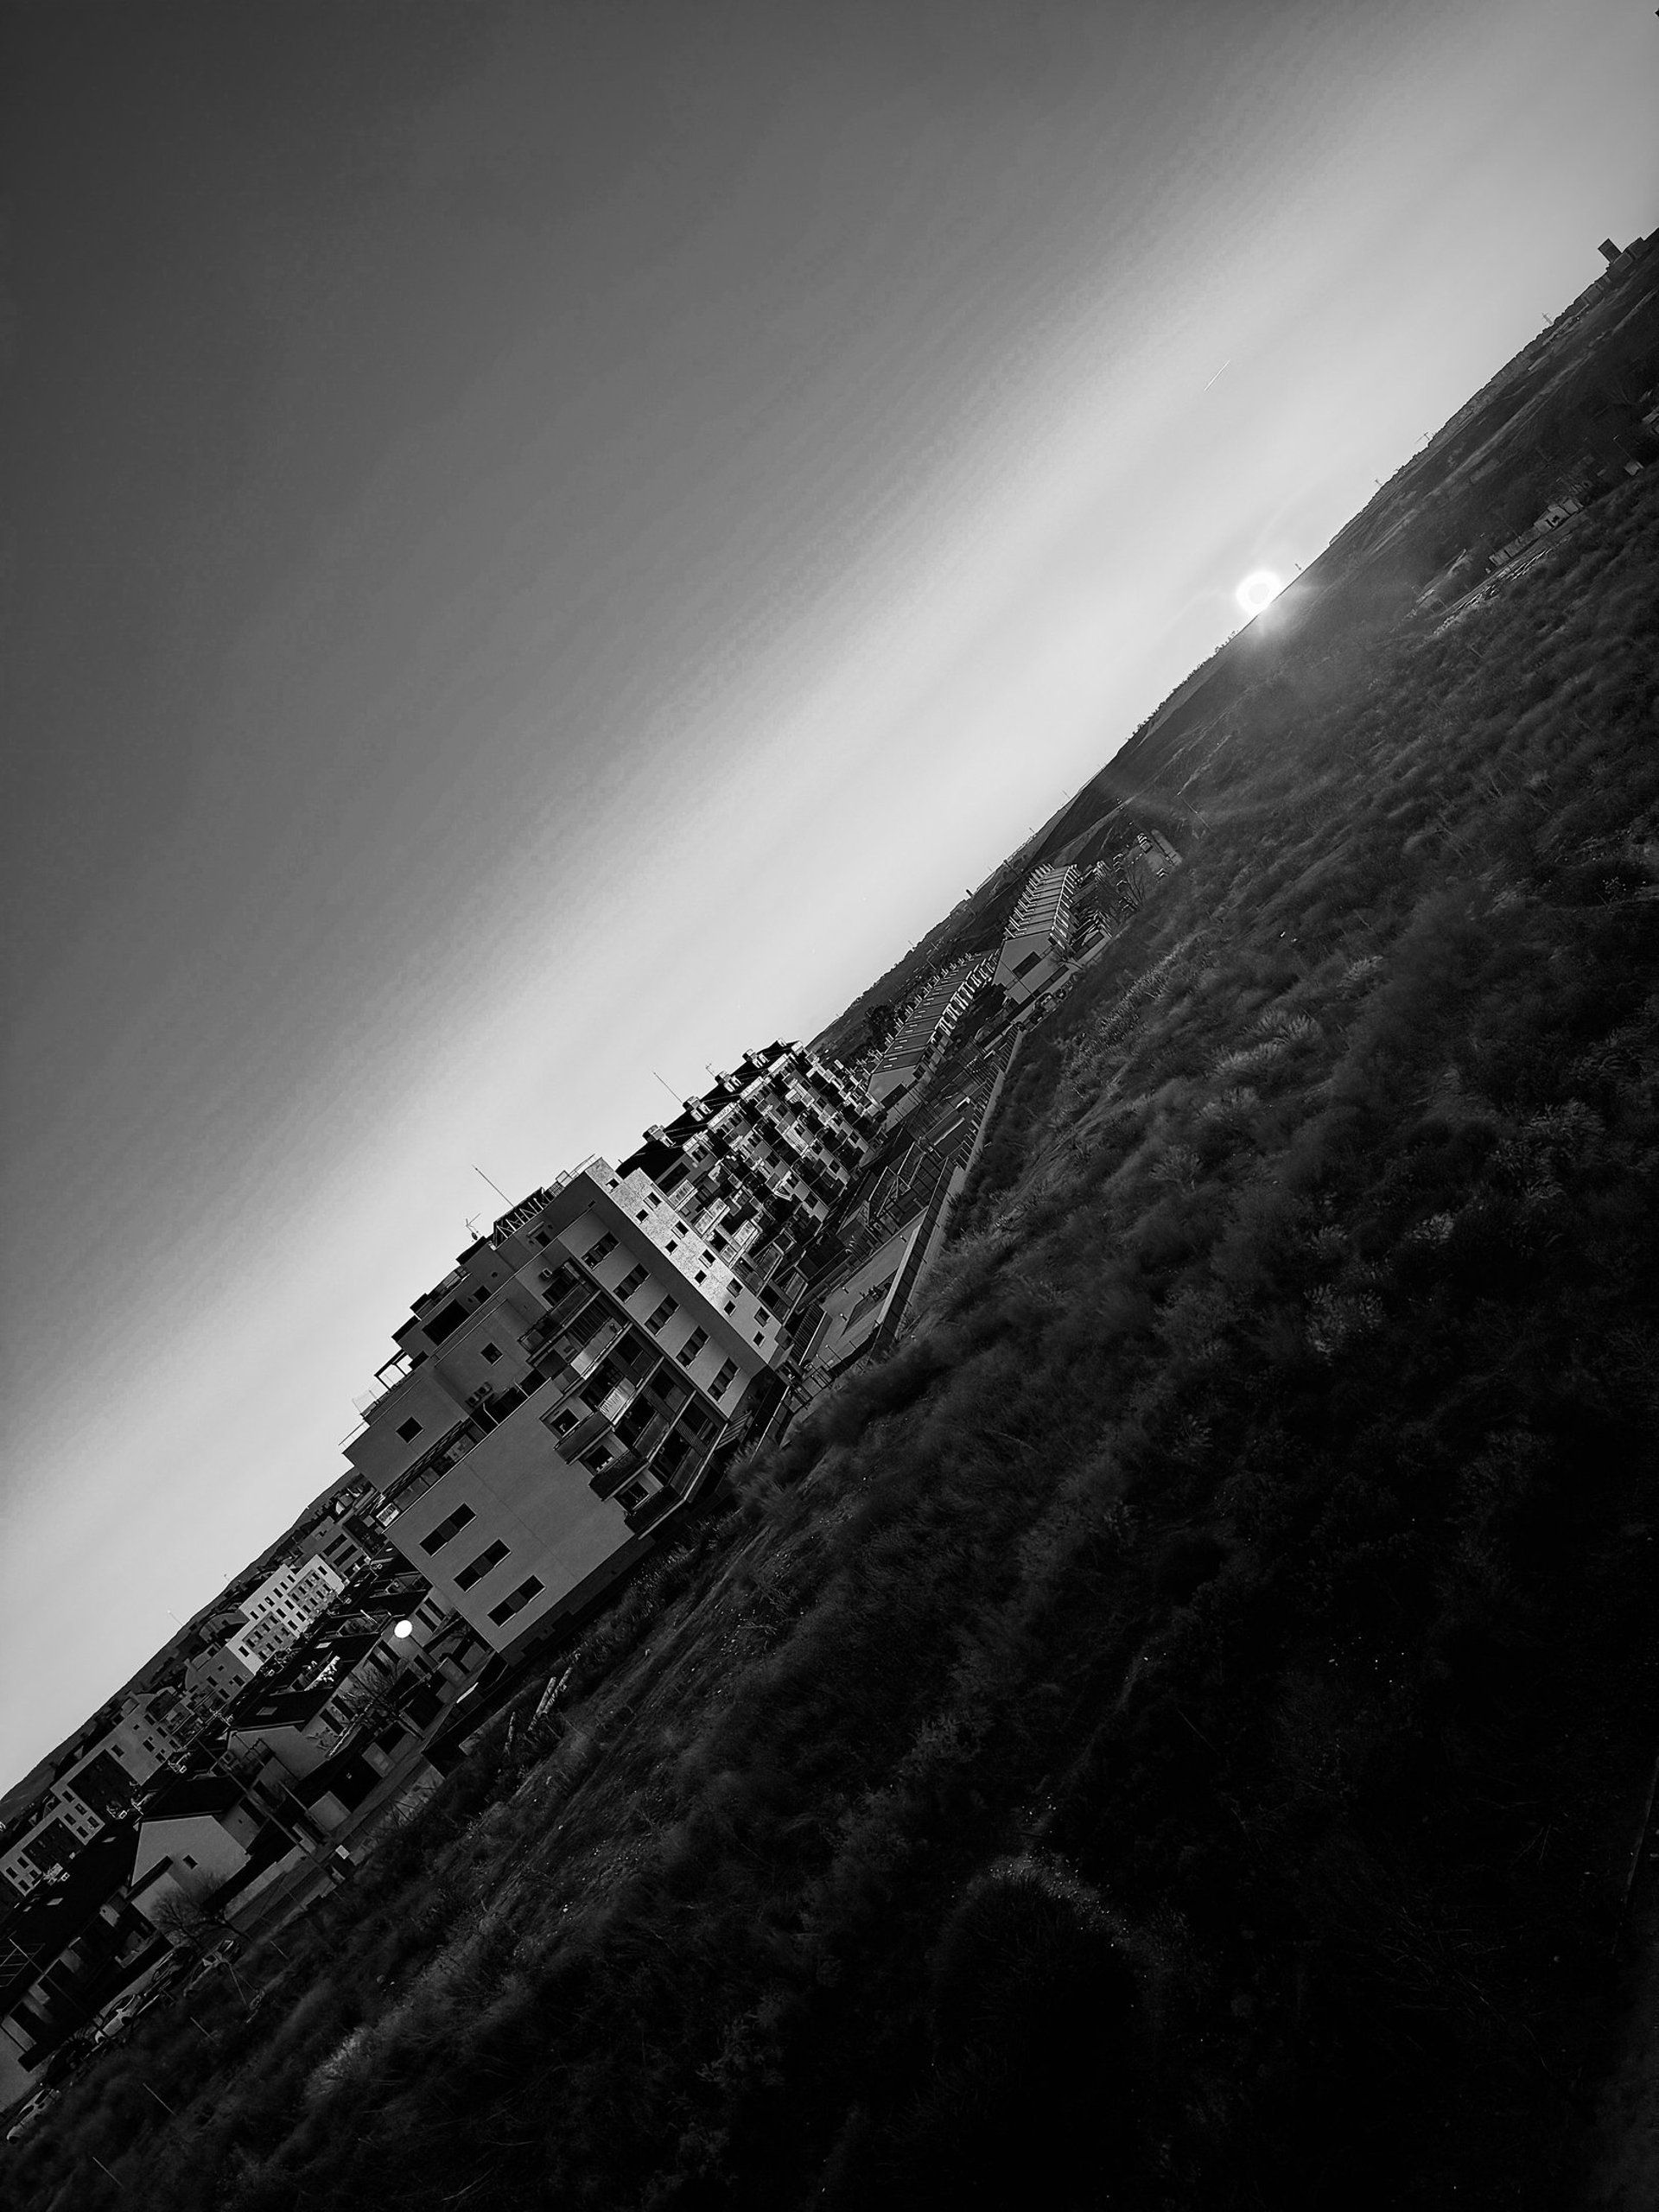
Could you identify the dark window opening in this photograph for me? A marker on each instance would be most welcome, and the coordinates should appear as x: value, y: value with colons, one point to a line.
x: 408, y: 1430
x: 481, y: 1566
x: 439, y: 1536
x: 516, y: 1600
x: 489, y: 1353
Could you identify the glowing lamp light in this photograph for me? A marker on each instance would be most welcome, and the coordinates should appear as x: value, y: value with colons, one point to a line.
x: 404, y: 1628
x: 1258, y: 590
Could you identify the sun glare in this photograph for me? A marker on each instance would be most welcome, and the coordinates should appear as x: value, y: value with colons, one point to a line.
x: 1258, y: 590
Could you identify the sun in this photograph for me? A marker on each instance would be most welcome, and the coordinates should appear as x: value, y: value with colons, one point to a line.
x: 1259, y: 590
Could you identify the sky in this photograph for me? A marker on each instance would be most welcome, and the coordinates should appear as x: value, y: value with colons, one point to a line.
x: 545, y: 544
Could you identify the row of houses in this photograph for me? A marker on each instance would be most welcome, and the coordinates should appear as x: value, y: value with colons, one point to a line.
x: 1062, y: 908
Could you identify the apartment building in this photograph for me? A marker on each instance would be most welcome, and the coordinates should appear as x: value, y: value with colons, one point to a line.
x: 569, y: 1381
x: 1039, y: 934
x: 291, y: 1597
x: 758, y: 1162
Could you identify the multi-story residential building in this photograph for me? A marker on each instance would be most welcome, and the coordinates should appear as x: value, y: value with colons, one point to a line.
x: 567, y: 1382
x: 1039, y: 933
x: 95, y: 1789
x: 283, y: 1606
x: 759, y: 1162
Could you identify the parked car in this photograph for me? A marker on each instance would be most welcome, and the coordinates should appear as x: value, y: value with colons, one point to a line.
x: 30, y: 2112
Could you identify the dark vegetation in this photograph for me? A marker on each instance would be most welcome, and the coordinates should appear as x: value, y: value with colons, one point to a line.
x: 1174, y: 1733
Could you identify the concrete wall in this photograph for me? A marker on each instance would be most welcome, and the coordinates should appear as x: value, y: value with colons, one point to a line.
x: 523, y: 1495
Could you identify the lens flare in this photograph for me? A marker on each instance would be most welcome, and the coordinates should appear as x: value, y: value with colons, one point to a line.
x: 1259, y: 590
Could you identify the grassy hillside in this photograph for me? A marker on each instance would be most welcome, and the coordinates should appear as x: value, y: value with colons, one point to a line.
x: 1175, y: 1733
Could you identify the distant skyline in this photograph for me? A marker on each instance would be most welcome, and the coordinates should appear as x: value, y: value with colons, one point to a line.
x: 547, y: 543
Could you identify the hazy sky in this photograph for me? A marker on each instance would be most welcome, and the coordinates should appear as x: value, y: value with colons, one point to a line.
x: 548, y: 543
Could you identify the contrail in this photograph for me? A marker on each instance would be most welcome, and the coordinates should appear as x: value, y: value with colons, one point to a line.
x: 1221, y: 371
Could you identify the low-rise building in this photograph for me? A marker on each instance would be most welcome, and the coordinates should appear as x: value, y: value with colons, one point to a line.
x: 295, y: 1714
x: 928, y: 1027
x: 215, y: 1677
x: 194, y: 1835
x: 1039, y: 934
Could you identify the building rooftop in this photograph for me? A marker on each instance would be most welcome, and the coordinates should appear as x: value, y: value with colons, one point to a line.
x: 192, y: 1795
x: 298, y: 1691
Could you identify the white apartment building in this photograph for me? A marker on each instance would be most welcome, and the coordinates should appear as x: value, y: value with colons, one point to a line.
x: 284, y: 1605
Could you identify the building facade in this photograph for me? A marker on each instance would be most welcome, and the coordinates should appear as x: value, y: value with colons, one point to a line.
x: 291, y: 1597
x: 928, y: 1027
x: 1039, y: 934
x: 569, y: 1380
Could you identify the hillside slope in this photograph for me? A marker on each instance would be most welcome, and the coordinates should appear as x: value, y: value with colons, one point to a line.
x: 1176, y: 1733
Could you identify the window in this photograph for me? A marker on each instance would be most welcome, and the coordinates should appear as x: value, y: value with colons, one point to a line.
x: 602, y: 1250
x: 445, y: 1529
x: 693, y: 1344
x: 630, y: 1282
x: 478, y: 1296
x: 663, y: 1314
x: 489, y: 1353
x: 516, y: 1600
x: 493, y: 1556
x: 408, y: 1430
x: 723, y: 1378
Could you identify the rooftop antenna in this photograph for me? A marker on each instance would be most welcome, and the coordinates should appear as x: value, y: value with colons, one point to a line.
x: 495, y: 1186
x: 668, y: 1087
